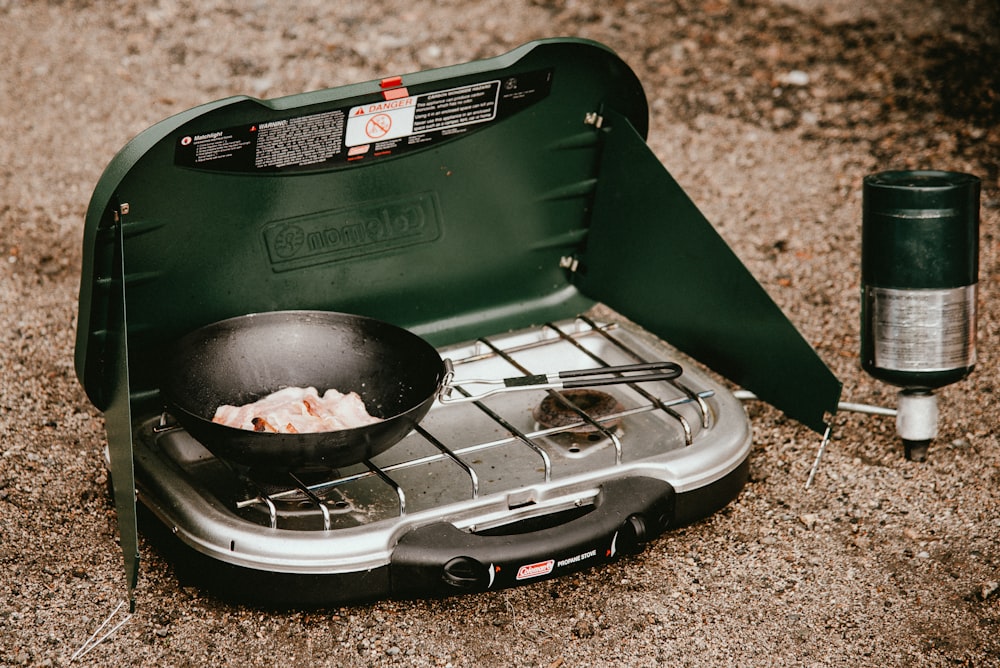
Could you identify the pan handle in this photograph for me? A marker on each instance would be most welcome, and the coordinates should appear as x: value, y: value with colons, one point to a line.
x: 607, y: 375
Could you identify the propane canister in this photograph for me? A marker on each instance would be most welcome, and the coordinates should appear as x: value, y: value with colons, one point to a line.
x: 919, y: 275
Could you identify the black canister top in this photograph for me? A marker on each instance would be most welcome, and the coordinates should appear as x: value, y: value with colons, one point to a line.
x: 920, y: 229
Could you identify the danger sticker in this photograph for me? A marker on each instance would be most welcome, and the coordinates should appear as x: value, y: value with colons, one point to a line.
x: 407, y: 116
x: 380, y: 121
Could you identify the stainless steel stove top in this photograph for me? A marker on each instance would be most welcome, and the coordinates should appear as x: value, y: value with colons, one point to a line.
x: 477, y: 466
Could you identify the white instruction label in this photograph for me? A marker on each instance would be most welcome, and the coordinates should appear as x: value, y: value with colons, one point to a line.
x: 380, y: 121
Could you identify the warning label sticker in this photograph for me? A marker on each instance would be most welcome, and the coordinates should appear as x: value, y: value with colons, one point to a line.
x: 380, y: 121
x: 392, y: 119
x: 363, y: 132
x: 305, y: 140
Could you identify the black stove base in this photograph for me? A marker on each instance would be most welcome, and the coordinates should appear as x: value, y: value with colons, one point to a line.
x: 438, y: 560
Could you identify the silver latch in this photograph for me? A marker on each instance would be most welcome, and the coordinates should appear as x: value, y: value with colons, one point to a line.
x: 122, y: 210
x: 444, y: 391
x: 569, y: 262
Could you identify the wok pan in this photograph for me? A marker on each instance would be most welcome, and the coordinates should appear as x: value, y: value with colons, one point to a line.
x: 242, y: 359
x: 397, y: 374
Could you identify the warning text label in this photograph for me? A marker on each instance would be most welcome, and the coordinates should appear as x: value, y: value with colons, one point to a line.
x: 393, y: 119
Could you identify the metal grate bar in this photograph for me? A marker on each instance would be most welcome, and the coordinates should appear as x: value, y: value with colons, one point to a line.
x: 561, y: 398
x: 685, y: 425
x: 471, y: 472
x: 514, y: 431
x: 321, y: 487
x: 262, y: 498
x: 691, y: 394
x: 315, y: 499
x: 392, y: 483
x: 488, y: 352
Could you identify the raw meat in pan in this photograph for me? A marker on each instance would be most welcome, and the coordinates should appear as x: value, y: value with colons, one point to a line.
x: 298, y: 410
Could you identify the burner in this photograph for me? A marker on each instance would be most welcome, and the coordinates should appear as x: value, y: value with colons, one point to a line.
x: 560, y: 409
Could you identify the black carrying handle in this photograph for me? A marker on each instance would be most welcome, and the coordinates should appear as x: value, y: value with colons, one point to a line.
x: 444, y: 559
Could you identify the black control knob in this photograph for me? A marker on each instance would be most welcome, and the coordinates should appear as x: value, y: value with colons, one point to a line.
x: 466, y: 573
x: 632, y: 535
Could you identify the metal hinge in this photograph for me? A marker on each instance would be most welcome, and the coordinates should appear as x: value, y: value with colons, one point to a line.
x: 569, y: 262
x: 122, y: 210
x: 594, y: 118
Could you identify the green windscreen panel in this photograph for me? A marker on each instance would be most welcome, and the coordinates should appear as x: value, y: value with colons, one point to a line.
x: 652, y: 256
x: 118, y: 421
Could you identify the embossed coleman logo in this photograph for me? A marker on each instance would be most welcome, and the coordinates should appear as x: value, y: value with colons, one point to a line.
x: 330, y: 236
x: 288, y: 240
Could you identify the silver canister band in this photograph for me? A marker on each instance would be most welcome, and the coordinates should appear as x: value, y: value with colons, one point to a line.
x: 923, y: 330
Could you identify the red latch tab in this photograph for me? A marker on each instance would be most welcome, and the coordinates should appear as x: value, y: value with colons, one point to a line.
x: 395, y: 93
x: 392, y: 88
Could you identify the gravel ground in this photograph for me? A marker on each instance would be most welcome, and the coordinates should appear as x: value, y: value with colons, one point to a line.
x: 769, y: 113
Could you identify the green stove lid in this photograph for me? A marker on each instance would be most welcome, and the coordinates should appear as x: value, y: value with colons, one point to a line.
x: 441, y: 201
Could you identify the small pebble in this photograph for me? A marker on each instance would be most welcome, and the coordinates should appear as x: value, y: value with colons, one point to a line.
x: 583, y: 629
x: 987, y: 589
x: 796, y: 78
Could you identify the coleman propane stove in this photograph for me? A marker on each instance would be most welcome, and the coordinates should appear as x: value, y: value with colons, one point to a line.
x: 483, y: 207
x: 490, y: 493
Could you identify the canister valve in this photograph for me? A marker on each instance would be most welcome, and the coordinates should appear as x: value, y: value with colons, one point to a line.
x: 919, y: 275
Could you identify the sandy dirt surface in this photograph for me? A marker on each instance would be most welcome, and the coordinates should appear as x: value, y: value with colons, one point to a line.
x: 768, y: 113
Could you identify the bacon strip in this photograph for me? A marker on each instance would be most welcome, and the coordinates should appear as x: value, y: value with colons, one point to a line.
x: 300, y: 410
x: 260, y: 424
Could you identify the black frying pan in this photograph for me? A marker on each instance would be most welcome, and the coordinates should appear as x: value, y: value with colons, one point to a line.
x: 397, y: 374
x: 242, y: 359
